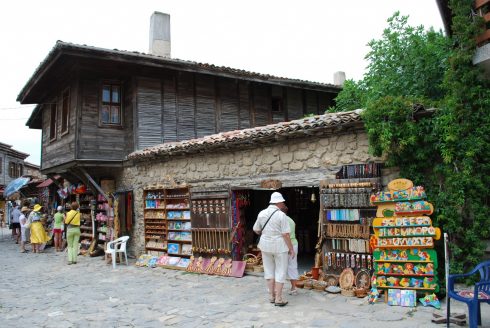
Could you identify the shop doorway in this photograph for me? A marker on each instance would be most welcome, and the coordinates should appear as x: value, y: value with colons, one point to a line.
x: 303, y: 207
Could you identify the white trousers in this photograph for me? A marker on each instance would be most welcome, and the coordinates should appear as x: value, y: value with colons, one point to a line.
x: 275, y: 266
x: 293, y: 265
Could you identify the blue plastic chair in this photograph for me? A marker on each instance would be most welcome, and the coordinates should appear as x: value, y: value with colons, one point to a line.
x: 482, y: 286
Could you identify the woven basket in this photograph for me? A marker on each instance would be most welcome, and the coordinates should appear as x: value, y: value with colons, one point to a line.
x: 308, y: 284
x: 258, y: 268
x: 331, y: 280
x: 360, y: 292
x: 319, y: 285
x: 251, y: 261
x: 348, y: 292
x: 300, y: 284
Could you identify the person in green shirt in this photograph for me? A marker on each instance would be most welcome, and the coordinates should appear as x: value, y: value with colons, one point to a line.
x: 293, y: 274
x: 59, y: 217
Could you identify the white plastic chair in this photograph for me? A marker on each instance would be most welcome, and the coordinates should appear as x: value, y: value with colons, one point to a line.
x: 117, y: 246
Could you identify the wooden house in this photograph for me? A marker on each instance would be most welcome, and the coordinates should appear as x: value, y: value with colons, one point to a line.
x: 95, y: 106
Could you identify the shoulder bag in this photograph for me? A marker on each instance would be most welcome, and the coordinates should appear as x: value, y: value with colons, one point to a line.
x: 261, y: 230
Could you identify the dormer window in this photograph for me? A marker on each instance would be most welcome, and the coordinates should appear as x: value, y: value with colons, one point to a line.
x: 110, y: 111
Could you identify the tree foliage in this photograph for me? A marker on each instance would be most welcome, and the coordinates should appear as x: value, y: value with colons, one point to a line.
x: 447, y: 152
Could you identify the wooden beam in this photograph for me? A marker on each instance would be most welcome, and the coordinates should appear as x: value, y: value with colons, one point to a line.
x: 92, y: 182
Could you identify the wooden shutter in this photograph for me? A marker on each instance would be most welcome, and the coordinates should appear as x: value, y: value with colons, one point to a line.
x: 229, y: 105
x: 205, y: 105
x: 185, y: 106
x: 149, y: 102
x: 262, y: 105
x: 294, y: 104
x: 244, y: 104
x: 169, y: 108
x: 311, y: 102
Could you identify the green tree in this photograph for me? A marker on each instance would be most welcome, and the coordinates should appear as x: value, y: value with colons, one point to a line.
x: 447, y: 152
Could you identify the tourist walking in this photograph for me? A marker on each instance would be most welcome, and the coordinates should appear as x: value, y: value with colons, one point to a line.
x: 275, y: 243
x: 24, y: 225
x: 15, y: 223
x: 72, y: 221
x: 293, y: 274
x: 38, y: 233
x: 59, y: 217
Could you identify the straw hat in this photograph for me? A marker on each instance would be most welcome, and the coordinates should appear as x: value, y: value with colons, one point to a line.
x: 24, y: 209
x: 37, y: 208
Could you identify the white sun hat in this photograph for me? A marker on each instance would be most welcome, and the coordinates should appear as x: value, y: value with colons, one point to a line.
x: 276, y: 197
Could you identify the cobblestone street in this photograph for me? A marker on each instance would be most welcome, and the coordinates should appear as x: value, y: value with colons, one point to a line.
x: 41, y: 290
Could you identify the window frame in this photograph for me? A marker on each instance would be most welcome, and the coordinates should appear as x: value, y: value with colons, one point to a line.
x: 65, y: 129
x: 53, y: 123
x: 12, y: 169
x: 102, y: 103
x: 280, y: 102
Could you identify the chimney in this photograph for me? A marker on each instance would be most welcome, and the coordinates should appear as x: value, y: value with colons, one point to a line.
x: 339, y: 78
x: 160, y: 34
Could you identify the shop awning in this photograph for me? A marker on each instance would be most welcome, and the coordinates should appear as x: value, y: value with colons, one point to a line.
x: 45, y: 183
x: 48, y: 182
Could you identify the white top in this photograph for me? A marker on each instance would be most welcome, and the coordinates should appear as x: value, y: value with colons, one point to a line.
x: 16, y: 213
x: 23, y: 221
x: 271, y: 239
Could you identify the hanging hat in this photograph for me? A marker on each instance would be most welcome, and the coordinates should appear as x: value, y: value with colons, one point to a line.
x: 24, y: 209
x: 276, y: 197
x: 37, y: 208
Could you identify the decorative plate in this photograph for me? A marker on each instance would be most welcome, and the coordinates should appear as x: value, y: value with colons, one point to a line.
x: 363, y: 279
x: 346, y: 279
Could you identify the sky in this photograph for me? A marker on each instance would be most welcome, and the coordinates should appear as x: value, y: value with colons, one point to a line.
x: 303, y: 39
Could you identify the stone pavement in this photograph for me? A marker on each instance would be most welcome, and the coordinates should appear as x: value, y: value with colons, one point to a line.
x: 41, y: 290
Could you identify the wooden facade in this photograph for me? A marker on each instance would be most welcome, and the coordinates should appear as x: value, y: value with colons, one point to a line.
x: 162, y: 101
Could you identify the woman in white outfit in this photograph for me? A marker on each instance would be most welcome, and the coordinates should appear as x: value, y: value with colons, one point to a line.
x: 275, y: 244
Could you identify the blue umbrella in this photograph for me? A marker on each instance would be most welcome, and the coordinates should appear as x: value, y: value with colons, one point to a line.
x: 15, y: 185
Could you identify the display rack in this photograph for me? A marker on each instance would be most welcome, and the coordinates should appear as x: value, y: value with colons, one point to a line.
x: 347, y: 215
x: 86, y: 224
x: 168, y: 225
x: 404, y: 258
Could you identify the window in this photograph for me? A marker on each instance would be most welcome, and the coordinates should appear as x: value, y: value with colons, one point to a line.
x: 110, y: 112
x: 52, y: 122
x: 65, y: 111
x: 12, y: 170
x: 1, y: 165
x: 277, y: 105
x: 20, y: 170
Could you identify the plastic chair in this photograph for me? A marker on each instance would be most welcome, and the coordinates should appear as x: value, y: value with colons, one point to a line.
x: 117, y: 246
x: 473, y: 298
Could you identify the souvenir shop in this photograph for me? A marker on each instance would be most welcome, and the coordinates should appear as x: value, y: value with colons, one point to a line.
x: 105, y: 214
x: 303, y: 207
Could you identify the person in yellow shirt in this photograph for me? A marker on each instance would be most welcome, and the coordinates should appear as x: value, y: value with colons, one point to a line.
x: 72, y: 221
x: 38, y: 234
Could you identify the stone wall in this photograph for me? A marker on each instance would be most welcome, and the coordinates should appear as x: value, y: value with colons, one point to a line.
x: 296, y: 162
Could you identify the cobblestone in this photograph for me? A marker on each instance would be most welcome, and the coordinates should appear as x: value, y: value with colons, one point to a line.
x: 41, y: 290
